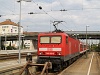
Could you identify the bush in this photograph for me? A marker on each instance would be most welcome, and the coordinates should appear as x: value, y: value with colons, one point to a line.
x: 2, y: 47
x: 97, y: 48
x: 10, y: 48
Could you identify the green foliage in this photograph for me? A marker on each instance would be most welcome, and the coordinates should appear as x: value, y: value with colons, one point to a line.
x: 11, y: 48
x: 2, y: 47
x: 96, y: 47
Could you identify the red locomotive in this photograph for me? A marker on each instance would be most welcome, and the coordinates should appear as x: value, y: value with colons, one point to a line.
x: 58, y: 48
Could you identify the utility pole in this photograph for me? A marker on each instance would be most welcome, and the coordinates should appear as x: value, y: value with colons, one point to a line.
x: 19, y: 28
x: 86, y: 40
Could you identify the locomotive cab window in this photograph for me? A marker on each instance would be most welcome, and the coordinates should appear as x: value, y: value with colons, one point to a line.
x: 45, y: 39
x: 66, y: 39
x: 56, y: 39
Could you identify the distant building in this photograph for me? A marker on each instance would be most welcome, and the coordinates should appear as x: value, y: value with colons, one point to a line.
x: 9, y: 28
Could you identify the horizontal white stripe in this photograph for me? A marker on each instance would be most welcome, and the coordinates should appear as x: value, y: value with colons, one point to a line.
x: 49, y: 49
x: 42, y: 49
x: 56, y: 49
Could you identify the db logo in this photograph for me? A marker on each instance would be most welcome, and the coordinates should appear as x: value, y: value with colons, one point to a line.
x: 49, y: 49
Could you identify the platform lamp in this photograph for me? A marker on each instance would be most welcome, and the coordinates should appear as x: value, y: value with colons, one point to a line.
x: 5, y: 42
x: 19, y: 25
x: 86, y: 40
x: 89, y: 43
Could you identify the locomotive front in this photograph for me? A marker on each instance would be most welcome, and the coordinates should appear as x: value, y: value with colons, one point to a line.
x: 50, y: 49
x: 49, y: 45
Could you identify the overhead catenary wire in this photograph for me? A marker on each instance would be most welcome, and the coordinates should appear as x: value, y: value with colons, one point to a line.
x: 61, y: 4
x: 63, y: 10
x: 87, y: 8
x: 44, y: 10
x: 10, y: 6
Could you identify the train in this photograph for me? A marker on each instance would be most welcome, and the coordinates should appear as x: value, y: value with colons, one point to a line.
x: 59, y: 48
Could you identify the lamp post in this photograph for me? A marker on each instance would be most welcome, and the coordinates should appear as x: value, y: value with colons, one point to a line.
x: 19, y: 24
x: 89, y: 44
x: 23, y: 41
x: 5, y: 42
x: 86, y: 40
x: 19, y: 29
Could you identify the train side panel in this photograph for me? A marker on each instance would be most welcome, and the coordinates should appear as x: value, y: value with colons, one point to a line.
x: 74, y: 46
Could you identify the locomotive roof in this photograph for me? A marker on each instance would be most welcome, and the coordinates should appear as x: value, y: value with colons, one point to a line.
x: 53, y: 33
x: 56, y: 33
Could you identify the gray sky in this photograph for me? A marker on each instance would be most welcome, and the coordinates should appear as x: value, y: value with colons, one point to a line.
x: 79, y: 14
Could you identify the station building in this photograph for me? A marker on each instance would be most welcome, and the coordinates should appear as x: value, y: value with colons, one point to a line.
x: 9, y: 28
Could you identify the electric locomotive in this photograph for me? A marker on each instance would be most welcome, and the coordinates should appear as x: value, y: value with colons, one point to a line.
x: 59, y: 48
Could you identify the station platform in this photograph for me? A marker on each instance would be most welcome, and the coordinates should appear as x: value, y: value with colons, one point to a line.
x: 16, y: 51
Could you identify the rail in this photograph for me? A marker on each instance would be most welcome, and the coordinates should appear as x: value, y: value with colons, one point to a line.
x: 13, y: 55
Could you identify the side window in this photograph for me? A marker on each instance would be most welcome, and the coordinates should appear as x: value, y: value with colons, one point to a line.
x: 66, y: 39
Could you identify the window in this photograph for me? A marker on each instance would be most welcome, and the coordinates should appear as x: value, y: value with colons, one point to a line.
x: 50, y: 39
x: 55, y: 39
x: 5, y: 26
x: 66, y: 39
x: 45, y: 39
x: 3, y: 29
x: 15, y: 30
x: 14, y: 27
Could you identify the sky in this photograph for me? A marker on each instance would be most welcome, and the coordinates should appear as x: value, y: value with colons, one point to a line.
x: 78, y: 14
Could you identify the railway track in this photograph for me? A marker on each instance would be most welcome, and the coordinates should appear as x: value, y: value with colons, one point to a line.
x: 74, y: 67
x: 14, y: 55
x: 28, y: 69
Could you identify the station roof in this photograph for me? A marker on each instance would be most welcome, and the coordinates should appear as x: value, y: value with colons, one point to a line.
x: 8, y: 22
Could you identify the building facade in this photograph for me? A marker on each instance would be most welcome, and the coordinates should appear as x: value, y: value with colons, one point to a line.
x: 9, y: 28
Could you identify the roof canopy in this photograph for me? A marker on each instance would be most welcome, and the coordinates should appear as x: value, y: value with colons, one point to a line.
x: 8, y: 22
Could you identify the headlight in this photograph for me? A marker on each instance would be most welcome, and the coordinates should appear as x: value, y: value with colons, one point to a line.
x: 59, y: 53
x: 40, y: 53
